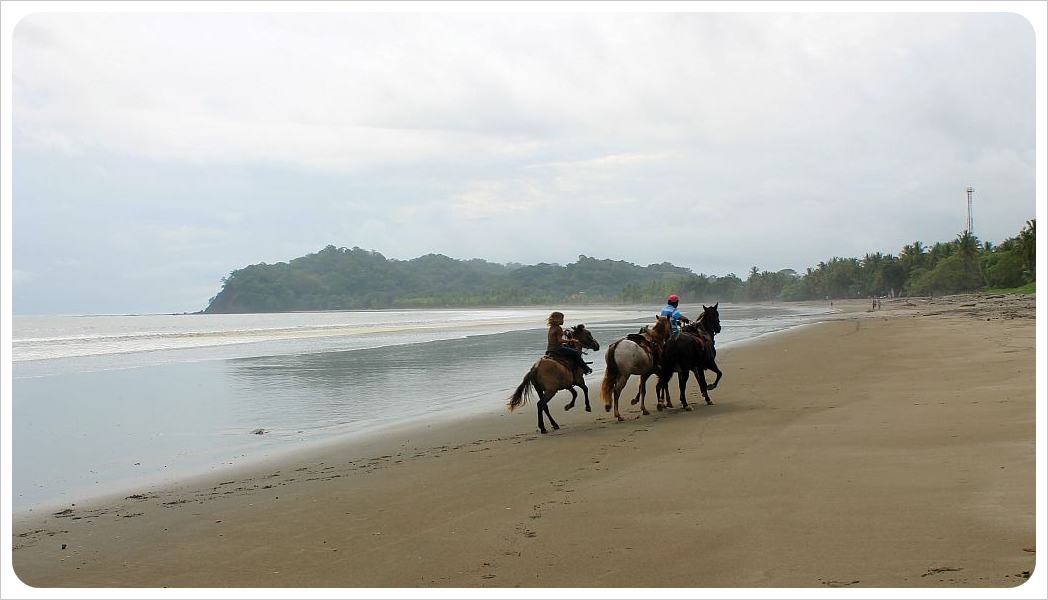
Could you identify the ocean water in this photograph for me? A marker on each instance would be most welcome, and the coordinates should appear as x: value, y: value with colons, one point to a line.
x: 104, y: 404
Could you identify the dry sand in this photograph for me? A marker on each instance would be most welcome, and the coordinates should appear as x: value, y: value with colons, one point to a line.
x: 882, y: 449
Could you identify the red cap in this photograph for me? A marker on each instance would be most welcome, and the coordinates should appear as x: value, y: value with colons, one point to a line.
x: 673, y: 298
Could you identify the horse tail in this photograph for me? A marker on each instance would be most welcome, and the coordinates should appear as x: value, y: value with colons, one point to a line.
x: 611, y: 374
x: 520, y: 396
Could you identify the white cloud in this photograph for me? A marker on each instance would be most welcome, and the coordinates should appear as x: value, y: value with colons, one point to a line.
x: 714, y: 140
x: 22, y: 276
x: 484, y: 199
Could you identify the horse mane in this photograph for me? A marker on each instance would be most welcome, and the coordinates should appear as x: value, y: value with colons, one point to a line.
x: 660, y: 332
x: 569, y: 333
x: 578, y: 343
x: 693, y: 326
x: 701, y: 325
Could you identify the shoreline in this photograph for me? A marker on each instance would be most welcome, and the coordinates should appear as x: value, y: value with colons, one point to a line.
x: 61, y: 479
x: 842, y: 438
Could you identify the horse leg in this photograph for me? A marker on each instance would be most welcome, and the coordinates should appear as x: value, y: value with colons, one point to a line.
x: 543, y: 407
x: 642, y: 392
x: 574, y: 394
x: 682, y: 385
x: 580, y: 382
x: 620, y: 383
x: 636, y: 398
x: 662, y: 388
x: 713, y: 367
x: 700, y: 374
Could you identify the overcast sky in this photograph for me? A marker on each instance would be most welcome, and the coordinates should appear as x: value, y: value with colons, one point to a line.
x: 154, y: 153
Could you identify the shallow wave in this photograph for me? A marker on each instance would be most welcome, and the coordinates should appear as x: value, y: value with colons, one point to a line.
x: 52, y: 338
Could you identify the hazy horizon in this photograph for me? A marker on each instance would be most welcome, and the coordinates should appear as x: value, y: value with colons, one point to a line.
x: 153, y: 153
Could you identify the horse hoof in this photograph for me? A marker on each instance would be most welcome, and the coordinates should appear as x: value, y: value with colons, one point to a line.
x: 645, y: 411
x: 689, y: 408
x: 660, y: 407
x: 569, y: 406
x: 635, y: 400
x: 709, y: 402
x: 588, y: 409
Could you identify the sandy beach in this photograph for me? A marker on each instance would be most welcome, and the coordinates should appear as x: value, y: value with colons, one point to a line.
x: 890, y: 448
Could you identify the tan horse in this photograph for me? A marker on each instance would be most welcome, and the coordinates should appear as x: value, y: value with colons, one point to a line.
x: 632, y: 355
x: 549, y: 375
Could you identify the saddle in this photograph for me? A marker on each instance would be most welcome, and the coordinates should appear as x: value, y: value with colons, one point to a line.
x: 704, y: 339
x: 564, y: 360
x: 561, y: 359
x: 700, y: 338
x: 642, y: 341
x: 639, y: 339
x: 696, y: 331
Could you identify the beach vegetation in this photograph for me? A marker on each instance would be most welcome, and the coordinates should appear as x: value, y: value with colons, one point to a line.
x: 1029, y: 288
x: 356, y: 279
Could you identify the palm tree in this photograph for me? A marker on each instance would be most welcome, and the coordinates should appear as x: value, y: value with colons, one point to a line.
x: 939, y: 251
x: 912, y: 256
x: 1026, y: 246
x: 967, y: 246
x: 967, y: 249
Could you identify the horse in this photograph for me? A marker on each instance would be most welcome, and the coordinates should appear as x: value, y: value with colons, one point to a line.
x: 549, y: 375
x: 632, y: 355
x: 692, y: 350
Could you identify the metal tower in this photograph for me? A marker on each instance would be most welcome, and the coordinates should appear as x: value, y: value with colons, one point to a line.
x: 968, y: 225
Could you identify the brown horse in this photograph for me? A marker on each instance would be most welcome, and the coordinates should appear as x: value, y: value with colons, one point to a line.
x: 632, y: 355
x: 549, y: 375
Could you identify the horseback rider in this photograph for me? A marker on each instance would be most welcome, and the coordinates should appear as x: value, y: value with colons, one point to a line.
x: 558, y: 345
x: 674, y: 315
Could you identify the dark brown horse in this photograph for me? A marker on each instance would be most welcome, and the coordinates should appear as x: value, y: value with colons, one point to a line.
x: 690, y: 351
x: 632, y: 355
x: 549, y: 375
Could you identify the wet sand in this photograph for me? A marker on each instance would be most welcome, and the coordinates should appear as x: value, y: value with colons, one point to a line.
x: 893, y: 448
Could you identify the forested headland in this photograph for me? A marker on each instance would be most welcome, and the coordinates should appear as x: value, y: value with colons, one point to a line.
x: 356, y: 279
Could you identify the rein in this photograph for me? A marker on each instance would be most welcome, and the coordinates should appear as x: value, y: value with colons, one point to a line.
x: 573, y: 341
x: 700, y: 329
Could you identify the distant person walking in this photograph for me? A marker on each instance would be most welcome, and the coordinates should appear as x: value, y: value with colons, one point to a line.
x: 674, y: 315
x: 556, y: 343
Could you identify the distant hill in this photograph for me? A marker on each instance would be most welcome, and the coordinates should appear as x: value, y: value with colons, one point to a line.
x: 354, y: 279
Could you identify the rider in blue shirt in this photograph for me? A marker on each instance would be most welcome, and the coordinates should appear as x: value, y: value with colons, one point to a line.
x: 675, y: 316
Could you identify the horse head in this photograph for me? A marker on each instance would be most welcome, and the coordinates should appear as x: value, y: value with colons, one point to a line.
x: 710, y: 318
x: 583, y: 337
x: 661, y: 331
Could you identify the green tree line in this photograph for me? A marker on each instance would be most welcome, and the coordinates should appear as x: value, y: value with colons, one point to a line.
x: 357, y: 279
